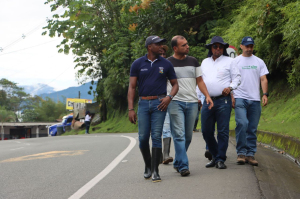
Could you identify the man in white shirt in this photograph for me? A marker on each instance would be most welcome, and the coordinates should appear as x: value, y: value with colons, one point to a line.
x: 247, y: 101
x: 220, y: 77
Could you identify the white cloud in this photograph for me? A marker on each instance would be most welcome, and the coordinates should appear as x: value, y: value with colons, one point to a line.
x: 34, y: 59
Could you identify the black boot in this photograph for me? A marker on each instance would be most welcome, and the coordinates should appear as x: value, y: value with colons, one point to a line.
x: 167, y: 145
x: 147, y: 159
x: 156, y: 155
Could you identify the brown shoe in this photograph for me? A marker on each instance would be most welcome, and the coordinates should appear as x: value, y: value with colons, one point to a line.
x: 251, y: 160
x: 241, y: 159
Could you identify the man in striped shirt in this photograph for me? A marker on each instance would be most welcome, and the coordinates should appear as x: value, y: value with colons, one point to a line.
x: 184, y: 106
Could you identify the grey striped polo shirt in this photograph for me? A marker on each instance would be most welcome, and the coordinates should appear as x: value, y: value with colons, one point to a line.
x: 187, y: 70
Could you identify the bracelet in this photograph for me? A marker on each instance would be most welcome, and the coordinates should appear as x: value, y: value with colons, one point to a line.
x: 131, y: 109
x: 170, y: 96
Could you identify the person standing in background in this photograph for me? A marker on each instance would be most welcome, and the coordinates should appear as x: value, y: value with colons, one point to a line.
x: 166, y: 128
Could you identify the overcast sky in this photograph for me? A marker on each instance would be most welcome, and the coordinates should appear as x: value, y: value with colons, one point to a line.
x: 34, y: 59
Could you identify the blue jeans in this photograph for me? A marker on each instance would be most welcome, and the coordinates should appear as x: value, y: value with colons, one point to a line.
x: 220, y: 113
x: 167, y: 128
x: 182, y: 120
x: 150, y: 119
x: 247, y: 114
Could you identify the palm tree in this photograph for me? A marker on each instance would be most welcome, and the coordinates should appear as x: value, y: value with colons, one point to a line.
x: 5, y: 116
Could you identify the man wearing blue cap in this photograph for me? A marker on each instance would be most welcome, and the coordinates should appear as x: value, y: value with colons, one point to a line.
x: 151, y: 73
x: 220, y: 77
x: 247, y: 101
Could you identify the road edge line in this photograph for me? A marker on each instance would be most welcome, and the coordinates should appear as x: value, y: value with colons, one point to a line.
x: 83, y: 190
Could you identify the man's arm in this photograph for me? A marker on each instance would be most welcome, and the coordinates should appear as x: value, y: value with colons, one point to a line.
x: 235, y: 79
x: 130, y: 98
x: 203, y: 89
x: 264, y: 86
x: 166, y: 100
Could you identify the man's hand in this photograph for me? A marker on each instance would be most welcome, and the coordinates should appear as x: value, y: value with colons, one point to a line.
x: 233, y: 102
x: 132, y: 116
x: 164, y: 102
x: 264, y: 100
x: 210, y: 102
x: 226, y: 91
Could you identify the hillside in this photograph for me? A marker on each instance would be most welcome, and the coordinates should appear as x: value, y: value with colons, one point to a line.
x: 71, y: 92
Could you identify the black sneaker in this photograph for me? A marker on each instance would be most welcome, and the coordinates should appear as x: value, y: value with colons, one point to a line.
x: 184, y: 172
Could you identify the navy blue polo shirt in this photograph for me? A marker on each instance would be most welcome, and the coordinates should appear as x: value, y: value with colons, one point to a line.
x: 152, y: 77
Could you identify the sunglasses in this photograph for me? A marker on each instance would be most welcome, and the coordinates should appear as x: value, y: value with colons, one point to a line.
x: 218, y: 46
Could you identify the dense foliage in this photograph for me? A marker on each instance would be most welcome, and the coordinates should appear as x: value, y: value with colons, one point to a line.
x: 106, y: 36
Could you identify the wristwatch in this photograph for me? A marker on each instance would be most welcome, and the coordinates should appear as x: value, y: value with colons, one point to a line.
x: 266, y: 94
x: 171, y: 96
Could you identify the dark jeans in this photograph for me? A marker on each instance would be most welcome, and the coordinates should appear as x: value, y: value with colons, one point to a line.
x: 150, y: 123
x: 219, y: 114
x: 87, y: 126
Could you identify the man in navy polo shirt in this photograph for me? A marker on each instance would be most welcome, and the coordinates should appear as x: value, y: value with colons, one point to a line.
x: 151, y: 73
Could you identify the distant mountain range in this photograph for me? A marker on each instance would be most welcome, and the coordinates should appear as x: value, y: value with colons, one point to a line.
x: 71, y: 92
x: 38, y: 89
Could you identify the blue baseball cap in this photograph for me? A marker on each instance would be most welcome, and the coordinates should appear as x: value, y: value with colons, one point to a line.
x: 247, y: 41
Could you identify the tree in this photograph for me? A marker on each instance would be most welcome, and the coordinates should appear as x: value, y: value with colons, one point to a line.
x: 40, y: 110
x: 12, y: 97
x: 5, y: 116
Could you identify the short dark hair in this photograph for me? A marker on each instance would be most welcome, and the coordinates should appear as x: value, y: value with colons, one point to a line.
x: 174, y: 40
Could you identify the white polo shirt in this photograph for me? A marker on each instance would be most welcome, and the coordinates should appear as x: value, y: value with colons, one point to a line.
x: 219, y: 74
x: 251, y: 69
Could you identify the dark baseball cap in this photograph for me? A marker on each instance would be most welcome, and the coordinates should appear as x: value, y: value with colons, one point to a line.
x: 153, y: 40
x: 247, y: 41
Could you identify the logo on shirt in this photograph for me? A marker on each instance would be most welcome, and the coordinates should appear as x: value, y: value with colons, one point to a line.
x: 249, y: 67
x: 161, y: 70
x: 144, y: 69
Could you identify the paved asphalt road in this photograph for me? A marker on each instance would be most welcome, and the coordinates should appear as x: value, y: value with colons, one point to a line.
x: 111, y: 166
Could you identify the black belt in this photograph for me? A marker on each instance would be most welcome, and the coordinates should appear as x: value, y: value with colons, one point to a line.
x: 217, y: 97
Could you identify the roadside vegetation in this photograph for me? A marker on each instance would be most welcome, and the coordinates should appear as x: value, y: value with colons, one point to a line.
x: 105, y: 37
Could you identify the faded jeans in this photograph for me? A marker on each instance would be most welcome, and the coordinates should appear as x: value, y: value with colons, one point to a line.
x: 247, y: 114
x: 182, y: 120
x: 167, y: 128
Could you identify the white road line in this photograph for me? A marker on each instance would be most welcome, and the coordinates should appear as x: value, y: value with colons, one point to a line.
x: 18, y: 148
x: 83, y: 190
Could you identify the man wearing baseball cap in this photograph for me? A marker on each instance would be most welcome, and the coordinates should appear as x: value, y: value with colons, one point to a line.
x: 151, y: 72
x: 220, y: 77
x: 247, y: 101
